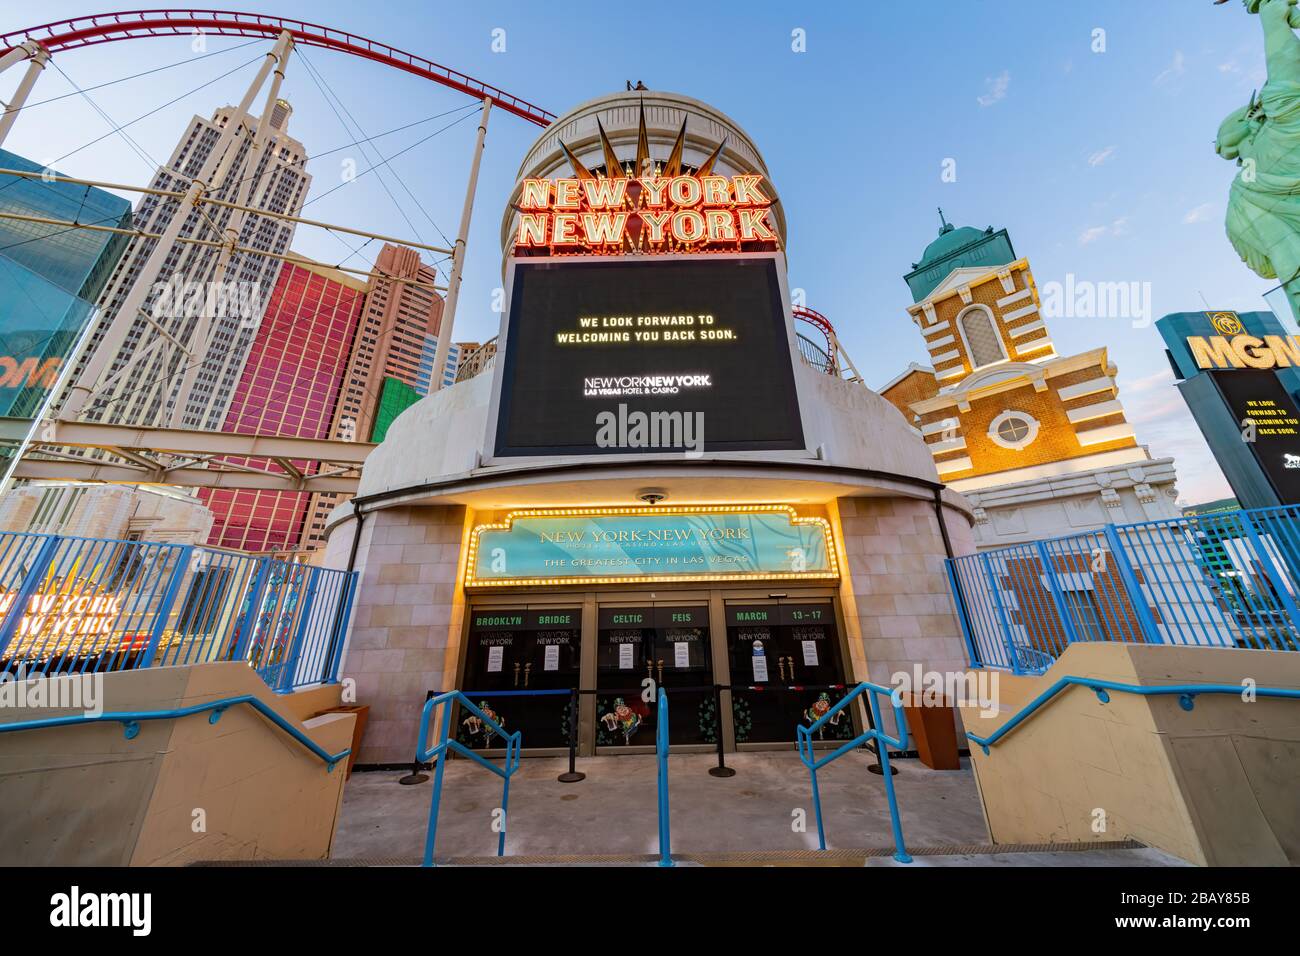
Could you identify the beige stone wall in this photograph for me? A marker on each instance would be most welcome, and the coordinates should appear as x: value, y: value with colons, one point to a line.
x: 897, y: 605
x: 1218, y: 786
x: 406, y: 626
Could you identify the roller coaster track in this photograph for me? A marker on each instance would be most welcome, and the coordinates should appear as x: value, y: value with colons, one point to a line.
x: 126, y: 25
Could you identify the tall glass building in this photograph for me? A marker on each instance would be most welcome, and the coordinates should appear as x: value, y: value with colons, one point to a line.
x: 50, y: 276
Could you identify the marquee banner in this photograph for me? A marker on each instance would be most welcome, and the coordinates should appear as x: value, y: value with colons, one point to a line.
x: 627, y: 545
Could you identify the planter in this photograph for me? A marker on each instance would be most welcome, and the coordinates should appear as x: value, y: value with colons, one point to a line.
x: 933, y: 731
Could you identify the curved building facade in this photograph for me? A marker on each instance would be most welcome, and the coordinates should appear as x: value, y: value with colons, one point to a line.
x: 649, y: 487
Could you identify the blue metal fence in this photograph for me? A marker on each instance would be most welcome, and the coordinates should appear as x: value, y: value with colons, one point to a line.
x: 1217, y: 580
x: 85, y: 605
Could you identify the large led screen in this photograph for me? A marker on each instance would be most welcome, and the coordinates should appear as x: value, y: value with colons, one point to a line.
x: 1257, y: 396
x: 619, y: 357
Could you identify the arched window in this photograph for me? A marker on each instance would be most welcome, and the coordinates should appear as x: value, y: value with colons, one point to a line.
x: 981, y: 336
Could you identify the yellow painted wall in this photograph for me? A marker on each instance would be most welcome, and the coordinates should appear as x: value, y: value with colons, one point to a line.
x: 1219, y: 785
x: 85, y: 795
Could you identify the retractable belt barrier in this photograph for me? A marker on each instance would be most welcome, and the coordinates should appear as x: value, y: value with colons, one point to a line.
x: 573, y: 775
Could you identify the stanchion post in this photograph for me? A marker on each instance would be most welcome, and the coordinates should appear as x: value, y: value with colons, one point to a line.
x: 572, y: 775
x: 417, y: 774
x: 721, y: 770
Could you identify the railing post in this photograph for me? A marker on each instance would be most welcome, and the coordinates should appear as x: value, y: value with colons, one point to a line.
x: 1270, y: 569
x: 1137, y: 598
x: 954, y: 585
x: 165, y: 605
x: 900, y: 850
x: 309, y: 599
x: 350, y: 585
x: 665, y: 830
x: 996, y: 592
x: 431, y: 836
x: 31, y: 582
x: 240, y: 651
x: 1058, y: 599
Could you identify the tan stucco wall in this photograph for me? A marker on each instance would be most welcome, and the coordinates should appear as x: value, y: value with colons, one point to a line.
x: 86, y: 796
x: 1219, y: 785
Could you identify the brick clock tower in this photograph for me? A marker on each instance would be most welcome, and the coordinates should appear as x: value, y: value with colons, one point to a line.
x: 1038, y: 442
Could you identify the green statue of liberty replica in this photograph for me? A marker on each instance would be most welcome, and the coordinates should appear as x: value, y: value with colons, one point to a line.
x: 1264, y: 138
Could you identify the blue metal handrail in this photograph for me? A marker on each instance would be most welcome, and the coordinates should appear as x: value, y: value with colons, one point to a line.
x: 130, y: 721
x: 661, y: 752
x: 423, y: 755
x: 1187, y: 694
x: 803, y: 736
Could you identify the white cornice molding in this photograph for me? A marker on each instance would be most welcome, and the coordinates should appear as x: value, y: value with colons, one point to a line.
x: 972, y: 390
x: 971, y: 277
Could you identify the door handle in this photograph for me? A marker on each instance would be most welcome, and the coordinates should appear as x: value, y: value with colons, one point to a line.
x: 516, y: 673
x: 661, y: 670
x: 780, y: 663
x: 791, y: 660
x: 528, y: 670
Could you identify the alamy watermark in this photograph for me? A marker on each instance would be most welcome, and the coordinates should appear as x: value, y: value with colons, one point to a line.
x: 1083, y: 299
x: 180, y: 298
x: 83, y: 692
x: 974, y: 688
x: 635, y: 430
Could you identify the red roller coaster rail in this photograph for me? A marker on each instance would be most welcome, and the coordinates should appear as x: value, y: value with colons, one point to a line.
x: 813, y: 317
x: 107, y: 27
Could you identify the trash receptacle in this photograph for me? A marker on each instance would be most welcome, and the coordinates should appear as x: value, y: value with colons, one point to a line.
x: 933, y: 730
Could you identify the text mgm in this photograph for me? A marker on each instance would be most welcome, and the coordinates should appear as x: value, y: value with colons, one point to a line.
x: 1245, y: 351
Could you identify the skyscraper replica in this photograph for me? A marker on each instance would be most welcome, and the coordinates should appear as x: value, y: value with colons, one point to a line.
x: 279, y: 183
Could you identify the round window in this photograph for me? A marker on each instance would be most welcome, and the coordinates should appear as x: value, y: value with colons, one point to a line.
x: 1013, y: 431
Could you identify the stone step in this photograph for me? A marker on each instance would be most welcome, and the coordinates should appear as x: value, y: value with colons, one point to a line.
x: 833, y: 857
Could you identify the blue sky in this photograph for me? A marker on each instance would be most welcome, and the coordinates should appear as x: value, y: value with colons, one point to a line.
x: 1100, y: 165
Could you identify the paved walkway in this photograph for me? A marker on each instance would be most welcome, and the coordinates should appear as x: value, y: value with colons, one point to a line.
x: 766, y: 806
x: 614, y: 811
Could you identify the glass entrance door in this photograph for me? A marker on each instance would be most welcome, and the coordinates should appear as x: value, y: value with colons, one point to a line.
x: 782, y: 657
x: 521, y: 650
x: 668, y: 646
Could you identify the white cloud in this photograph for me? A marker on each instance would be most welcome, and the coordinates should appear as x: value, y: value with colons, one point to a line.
x: 1163, y: 408
x: 1201, y: 213
x: 1174, y: 70
x: 1117, y: 228
x: 1147, y: 382
x: 1101, y: 156
x: 997, y: 89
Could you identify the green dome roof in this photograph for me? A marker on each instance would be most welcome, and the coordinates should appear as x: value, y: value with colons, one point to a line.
x: 950, y: 240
